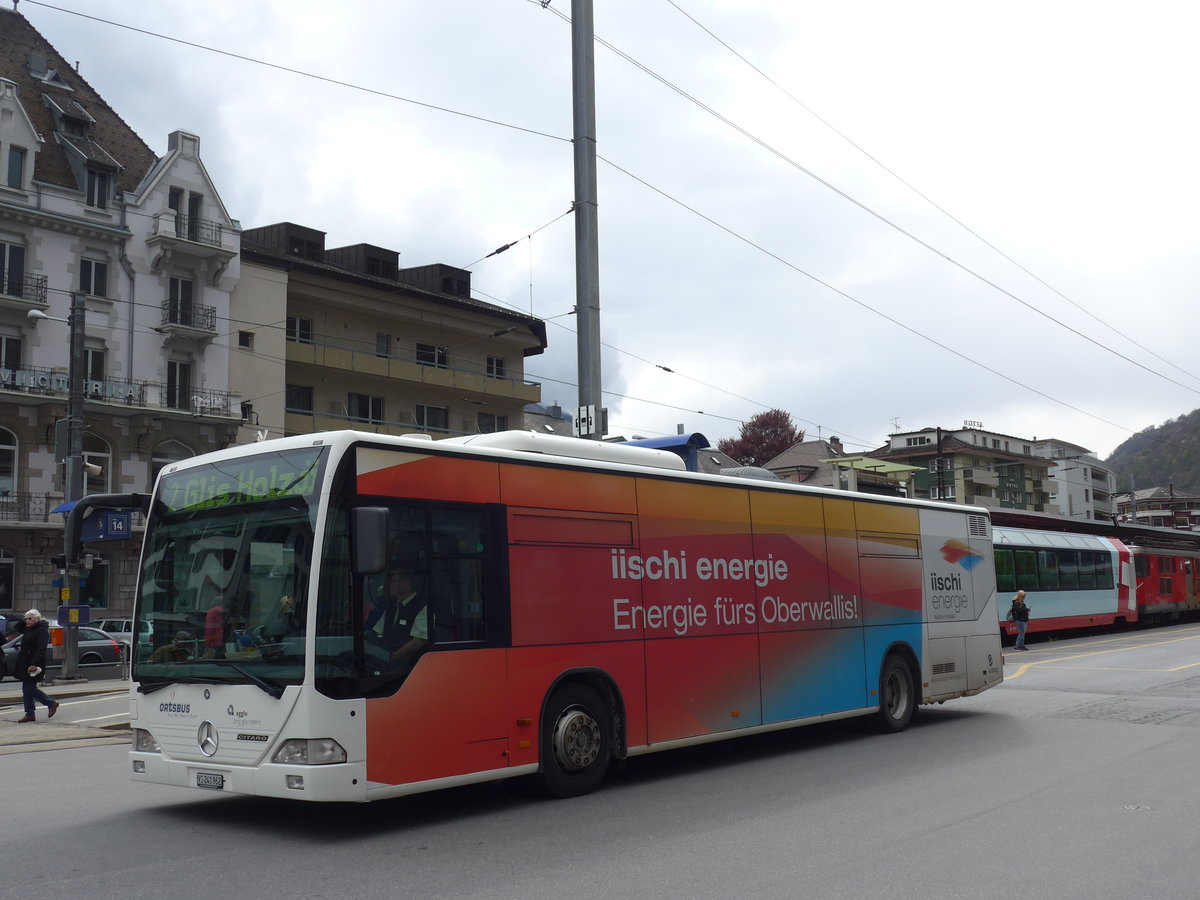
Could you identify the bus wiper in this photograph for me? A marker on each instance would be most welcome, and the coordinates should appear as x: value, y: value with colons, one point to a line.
x: 274, y: 688
x: 149, y: 687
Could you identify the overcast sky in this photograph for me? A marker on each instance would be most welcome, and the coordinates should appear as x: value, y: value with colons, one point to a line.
x: 793, y: 263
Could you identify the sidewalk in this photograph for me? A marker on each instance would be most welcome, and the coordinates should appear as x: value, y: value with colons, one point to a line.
x: 45, y: 734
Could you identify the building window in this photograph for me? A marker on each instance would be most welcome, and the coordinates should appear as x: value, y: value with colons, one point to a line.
x: 995, y: 443
x: 12, y: 270
x: 433, y: 418
x: 97, y: 453
x: 941, y: 464
x: 298, y: 398
x: 429, y: 355
x: 179, y: 302
x: 8, y: 462
x: 490, y: 422
x: 97, y: 188
x: 93, y: 373
x: 93, y: 277
x: 383, y: 345
x: 246, y: 340
x: 10, y: 353
x: 179, y: 385
x: 299, y: 330
x: 495, y: 367
x: 916, y: 441
x: 365, y: 408
x: 945, y: 492
x: 166, y: 453
x: 16, y: 167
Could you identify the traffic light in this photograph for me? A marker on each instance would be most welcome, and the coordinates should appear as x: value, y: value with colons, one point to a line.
x: 59, y: 562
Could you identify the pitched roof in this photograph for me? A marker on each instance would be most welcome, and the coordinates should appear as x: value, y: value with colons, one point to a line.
x: 807, y: 458
x: 111, y: 141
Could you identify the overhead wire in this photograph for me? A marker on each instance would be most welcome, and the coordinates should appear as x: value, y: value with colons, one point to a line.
x: 748, y: 135
x: 967, y: 228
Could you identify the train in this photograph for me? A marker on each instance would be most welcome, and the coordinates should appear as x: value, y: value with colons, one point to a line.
x: 1090, y: 573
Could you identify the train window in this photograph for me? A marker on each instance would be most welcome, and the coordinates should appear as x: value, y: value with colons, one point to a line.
x: 1164, y: 585
x: 1087, y: 571
x: 1141, y: 566
x: 1068, y: 570
x: 1166, y: 565
x: 1006, y: 576
x: 1104, y: 572
x: 1048, y: 570
x: 1026, y: 568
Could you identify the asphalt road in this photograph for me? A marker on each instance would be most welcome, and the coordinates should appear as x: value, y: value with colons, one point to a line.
x: 1075, y: 779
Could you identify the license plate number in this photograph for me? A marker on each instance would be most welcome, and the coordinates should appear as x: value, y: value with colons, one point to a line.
x: 210, y: 780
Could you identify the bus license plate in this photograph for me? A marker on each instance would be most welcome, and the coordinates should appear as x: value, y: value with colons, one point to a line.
x: 210, y: 780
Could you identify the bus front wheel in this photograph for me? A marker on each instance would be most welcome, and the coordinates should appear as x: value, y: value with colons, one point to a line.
x: 576, y: 741
x: 897, y: 696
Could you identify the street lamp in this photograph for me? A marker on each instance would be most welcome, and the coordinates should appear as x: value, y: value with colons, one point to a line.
x: 74, y: 460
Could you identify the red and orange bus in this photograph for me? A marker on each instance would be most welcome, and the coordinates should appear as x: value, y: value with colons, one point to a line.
x: 563, y: 603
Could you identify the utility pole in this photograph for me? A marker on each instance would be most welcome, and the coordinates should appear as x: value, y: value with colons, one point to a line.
x: 72, y: 472
x: 587, y: 253
x: 76, y: 323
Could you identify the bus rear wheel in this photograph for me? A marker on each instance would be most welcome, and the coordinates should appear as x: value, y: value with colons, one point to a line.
x: 897, y: 696
x: 576, y: 741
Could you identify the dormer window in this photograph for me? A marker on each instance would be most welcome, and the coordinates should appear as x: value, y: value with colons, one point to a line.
x: 98, y: 188
x: 40, y: 68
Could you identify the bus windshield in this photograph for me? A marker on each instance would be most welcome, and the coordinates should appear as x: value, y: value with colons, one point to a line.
x: 225, y: 575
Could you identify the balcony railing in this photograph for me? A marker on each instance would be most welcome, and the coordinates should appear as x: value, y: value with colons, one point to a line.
x: 360, y: 358
x: 202, y: 231
x: 24, y: 286
x: 202, y: 318
x: 19, y: 507
x: 200, y: 402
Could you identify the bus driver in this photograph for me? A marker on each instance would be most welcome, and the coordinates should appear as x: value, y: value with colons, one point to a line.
x: 401, y: 618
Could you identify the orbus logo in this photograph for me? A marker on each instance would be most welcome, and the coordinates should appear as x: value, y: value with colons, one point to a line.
x: 955, y: 551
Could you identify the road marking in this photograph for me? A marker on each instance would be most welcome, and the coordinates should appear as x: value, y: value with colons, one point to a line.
x: 1025, y: 667
x: 124, y: 716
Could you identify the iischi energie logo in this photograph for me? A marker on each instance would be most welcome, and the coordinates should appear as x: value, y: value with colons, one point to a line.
x: 955, y: 551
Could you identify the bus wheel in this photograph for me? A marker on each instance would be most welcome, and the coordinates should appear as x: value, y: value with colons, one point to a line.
x: 576, y: 741
x: 897, y: 696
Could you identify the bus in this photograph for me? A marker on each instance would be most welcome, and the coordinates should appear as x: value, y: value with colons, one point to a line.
x: 562, y: 603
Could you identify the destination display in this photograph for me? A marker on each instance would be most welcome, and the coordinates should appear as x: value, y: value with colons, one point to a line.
x: 290, y: 473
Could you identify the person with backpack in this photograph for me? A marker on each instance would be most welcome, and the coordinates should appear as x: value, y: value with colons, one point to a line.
x: 1020, y: 615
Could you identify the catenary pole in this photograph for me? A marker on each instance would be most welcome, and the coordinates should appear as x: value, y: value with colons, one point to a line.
x: 587, y: 262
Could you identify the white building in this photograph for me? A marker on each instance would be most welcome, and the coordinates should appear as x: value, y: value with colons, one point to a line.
x: 86, y: 206
x: 1082, y: 486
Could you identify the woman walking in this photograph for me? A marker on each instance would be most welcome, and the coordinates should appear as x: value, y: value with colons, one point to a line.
x: 31, y: 663
x: 1020, y: 615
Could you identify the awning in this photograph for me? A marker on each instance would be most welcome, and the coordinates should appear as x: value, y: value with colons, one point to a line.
x: 866, y: 463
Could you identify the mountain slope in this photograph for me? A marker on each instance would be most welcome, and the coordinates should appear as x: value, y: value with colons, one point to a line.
x: 1164, y: 455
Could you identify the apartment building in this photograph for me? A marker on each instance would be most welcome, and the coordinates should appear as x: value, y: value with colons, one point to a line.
x: 974, y: 466
x: 88, y: 208
x: 358, y: 341
x: 1083, y: 486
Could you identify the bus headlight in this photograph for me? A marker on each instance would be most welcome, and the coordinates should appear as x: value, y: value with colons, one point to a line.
x: 310, y: 752
x: 144, y: 742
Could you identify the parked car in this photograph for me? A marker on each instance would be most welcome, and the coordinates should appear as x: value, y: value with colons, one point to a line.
x: 95, y: 648
x: 122, y: 630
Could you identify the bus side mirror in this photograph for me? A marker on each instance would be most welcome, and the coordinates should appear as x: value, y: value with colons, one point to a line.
x: 368, y: 539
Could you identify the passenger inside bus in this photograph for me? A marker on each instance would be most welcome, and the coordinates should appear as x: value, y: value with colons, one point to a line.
x: 177, y: 651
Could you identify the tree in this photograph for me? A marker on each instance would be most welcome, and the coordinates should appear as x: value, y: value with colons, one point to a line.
x: 762, y: 438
